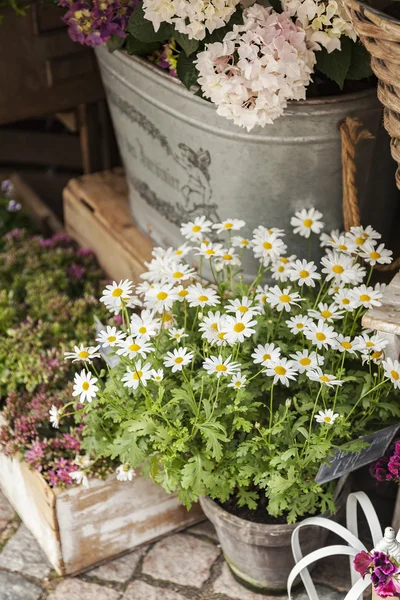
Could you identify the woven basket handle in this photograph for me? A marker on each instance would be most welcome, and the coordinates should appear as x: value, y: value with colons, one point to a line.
x: 352, y: 132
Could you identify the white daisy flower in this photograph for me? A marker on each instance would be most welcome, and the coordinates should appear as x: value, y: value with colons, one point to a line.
x: 392, y: 371
x: 161, y: 297
x: 194, y: 230
x: 306, y: 221
x: 327, y: 312
x: 80, y: 478
x: 178, y: 358
x: 239, y: 327
x: 138, y: 374
x: 326, y: 238
x: 280, y: 271
x: 144, y: 326
x: 242, y: 305
x: 261, y: 230
x: 374, y: 255
x: 85, y: 386
x: 132, y: 348
x: 369, y: 343
x: 240, y: 242
x: 116, y: 295
x: 218, y: 366
x: 323, y: 378
x: 238, y: 381
x: 55, y: 416
x: 210, y: 250
x: 229, y: 225
x: 366, y: 296
x: 178, y: 273
x: 201, y: 296
x: 227, y: 258
x: 344, y: 299
x: 283, y: 299
x: 182, y: 250
x: 265, y: 353
x: 360, y: 234
x: 133, y: 302
x: 177, y: 334
x: 125, y: 473
x: 157, y: 375
x: 143, y: 287
x: 377, y: 357
x: 262, y: 294
x: 157, y: 269
x: 320, y: 334
x: 83, y: 353
x: 337, y: 266
x: 342, y: 243
x: 298, y: 324
x: 345, y: 344
x: 304, y: 273
x: 326, y: 416
x: 282, y: 370
x: 305, y: 360
x: 214, y: 328
x: 110, y: 336
x: 267, y: 246
x: 181, y: 292
x: 168, y: 320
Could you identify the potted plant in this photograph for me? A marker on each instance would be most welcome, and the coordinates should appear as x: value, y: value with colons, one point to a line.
x: 235, y: 393
x: 47, y: 301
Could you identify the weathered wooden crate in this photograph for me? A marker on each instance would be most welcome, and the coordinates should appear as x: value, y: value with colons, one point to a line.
x: 386, y: 320
x: 96, y: 213
x: 79, y: 528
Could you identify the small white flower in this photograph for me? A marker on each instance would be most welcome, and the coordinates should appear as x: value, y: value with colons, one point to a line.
x: 320, y: 334
x: 305, y: 360
x: 342, y: 243
x: 116, y: 295
x: 209, y: 250
x: 177, y: 334
x: 182, y: 250
x: 110, y: 336
x: 157, y: 375
x: 305, y: 273
x: 238, y: 381
x: 219, y: 366
x: 134, y: 347
x: 267, y: 246
x: 178, y: 358
x: 298, y: 324
x: 83, y: 353
x: 283, y: 299
x: 138, y: 374
x: 229, y: 225
x: 194, y: 230
x: 377, y: 357
x: 145, y: 326
x: 177, y: 273
x: 262, y: 294
x: 265, y: 353
x: 326, y: 238
x: 328, y: 313
x: 125, y: 473
x: 239, y: 327
x: 392, y: 370
x: 242, y: 306
x: 360, y: 234
x: 369, y: 343
x: 161, y: 297
x: 344, y: 299
x: 227, y: 258
x: 338, y: 267
x: 214, y: 328
x: 280, y: 271
x: 240, y: 242
x: 80, y: 478
x: 366, y: 296
x: 282, y: 370
x: 326, y: 416
x: 168, y: 320
x: 181, y: 292
x: 323, y: 378
x: 55, y: 416
x: 84, y: 386
x: 306, y: 221
x: 201, y: 296
x: 345, y: 344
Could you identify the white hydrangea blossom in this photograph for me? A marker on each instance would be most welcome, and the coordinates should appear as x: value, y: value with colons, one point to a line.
x: 192, y: 17
x: 324, y: 22
x: 258, y: 67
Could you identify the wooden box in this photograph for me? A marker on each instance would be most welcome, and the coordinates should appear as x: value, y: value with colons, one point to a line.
x: 79, y: 528
x: 96, y: 213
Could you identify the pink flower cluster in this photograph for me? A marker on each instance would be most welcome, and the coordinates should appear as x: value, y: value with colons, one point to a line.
x: 387, y: 468
x: 384, y: 572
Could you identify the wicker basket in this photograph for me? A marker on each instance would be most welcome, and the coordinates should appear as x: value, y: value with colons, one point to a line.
x: 380, y: 34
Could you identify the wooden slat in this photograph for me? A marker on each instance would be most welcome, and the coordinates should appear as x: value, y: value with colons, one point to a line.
x: 97, y: 215
x: 39, y: 148
x: 40, y: 213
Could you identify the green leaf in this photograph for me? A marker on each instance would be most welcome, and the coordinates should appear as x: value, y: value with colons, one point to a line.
x: 186, y: 71
x: 189, y: 46
x: 115, y: 43
x: 142, y: 29
x: 219, y: 34
x: 214, y: 433
x: 137, y: 48
x: 360, y: 67
x: 335, y: 65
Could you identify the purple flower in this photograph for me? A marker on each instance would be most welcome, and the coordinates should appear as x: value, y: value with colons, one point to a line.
x: 362, y: 562
x: 7, y: 188
x: 379, y: 470
x: 14, y: 234
x: 383, y: 569
x: 394, y: 465
x: 76, y: 271
x: 14, y: 206
x: 46, y: 243
x: 83, y: 252
x: 390, y: 589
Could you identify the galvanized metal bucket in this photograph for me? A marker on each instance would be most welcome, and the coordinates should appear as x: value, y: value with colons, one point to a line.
x: 183, y: 160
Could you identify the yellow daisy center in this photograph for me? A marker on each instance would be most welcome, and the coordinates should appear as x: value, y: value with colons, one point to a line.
x: 142, y: 330
x: 117, y: 292
x: 279, y: 370
x: 134, y: 347
x: 179, y: 252
x: 178, y: 360
x: 263, y: 299
x: 237, y: 384
x: 183, y: 293
x: 369, y: 344
x: 238, y: 327
x: 320, y: 336
x: 137, y: 375
x: 196, y: 228
x: 83, y: 354
x: 346, y: 345
x: 374, y: 255
x: 267, y: 245
x: 360, y: 241
x: 307, y: 222
x: 214, y: 326
x: 345, y: 301
x: 177, y: 275
x: 243, y: 308
x: 338, y: 269
x: 305, y: 361
x: 221, y: 335
x: 220, y: 368
x: 303, y: 274
x: 167, y: 317
x: 300, y: 325
x: 327, y: 419
x: 228, y: 225
x: 203, y: 298
x: 394, y: 375
x: 285, y: 298
x: 283, y: 259
x: 244, y: 242
x: 326, y: 314
x: 281, y: 269
x: 377, y: 354
x: 85, y: 386
x: 324, y: 378
x: 210, y: 251
x: 342, y: 247
x: 111, y: 338
x: 267, y: 357
x: 162, y: 295
x: 365, y: 298
x: 227, y: 257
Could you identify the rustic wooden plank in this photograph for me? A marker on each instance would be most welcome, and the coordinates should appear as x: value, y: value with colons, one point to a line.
x: 40, y: 148
x: 97, y: 215
x: 40, y: 213
x: 386, y: 318
x: 69, y: 119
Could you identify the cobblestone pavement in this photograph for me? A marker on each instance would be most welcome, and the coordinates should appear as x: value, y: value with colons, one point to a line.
x: 183, y: 566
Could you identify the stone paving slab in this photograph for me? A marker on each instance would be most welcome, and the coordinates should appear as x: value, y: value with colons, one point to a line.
x: 121, y: 569
x: 75, y: 589
x: 23, y: 554
x: 15, y: 587
x: 6, y: 511
x: 205, y: 528
x: 139, y: 590
x: 181, y: 559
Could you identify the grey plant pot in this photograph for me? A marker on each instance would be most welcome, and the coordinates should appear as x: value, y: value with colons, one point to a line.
x: 260, y: 555
x: 183, y: 160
